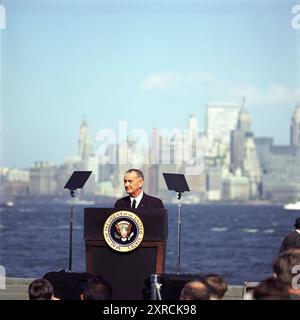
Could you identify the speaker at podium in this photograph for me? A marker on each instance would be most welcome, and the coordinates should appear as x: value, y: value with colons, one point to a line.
x: 126, y: 270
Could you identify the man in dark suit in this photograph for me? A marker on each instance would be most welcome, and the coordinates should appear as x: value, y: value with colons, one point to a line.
x: 137, y: 199
x: 292, y: 240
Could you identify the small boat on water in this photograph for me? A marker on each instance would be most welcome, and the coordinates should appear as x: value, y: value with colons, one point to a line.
x: 8, y: 204
x: 292, y: 206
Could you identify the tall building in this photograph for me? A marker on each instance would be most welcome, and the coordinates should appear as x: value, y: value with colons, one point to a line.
x: 251, y: 167
x: 237, y: 149
x: 244, y: 120
x: 85, y: 142
x: 238, y: 137
x: 243, y: 155
x: 43, y: 178
x: 214, y: 184
x: 192, y: 123
x: 221, y: 119
x: 280, y: 167
x: 295, y: 127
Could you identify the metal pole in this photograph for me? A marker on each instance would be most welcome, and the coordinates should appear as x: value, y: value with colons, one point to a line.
x: 71, y: 231
x: 178, y: 237
x: 155, y: 287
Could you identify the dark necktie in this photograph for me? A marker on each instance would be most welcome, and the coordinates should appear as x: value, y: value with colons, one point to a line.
x: 133, y: 204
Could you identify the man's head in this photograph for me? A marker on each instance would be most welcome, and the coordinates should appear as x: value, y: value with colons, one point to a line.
x: 195, y: 290
x: 133, y: 182
x: 97, y: 289
x: 297, y: 223
x: 217, y: 286
x: 286, y: 267
x: 40, y: 289
x: 271, y: 289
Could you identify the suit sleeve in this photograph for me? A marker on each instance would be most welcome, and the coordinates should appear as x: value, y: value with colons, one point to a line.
x: 118, y: 204
x: 159, y: 203
x: 283, y: 246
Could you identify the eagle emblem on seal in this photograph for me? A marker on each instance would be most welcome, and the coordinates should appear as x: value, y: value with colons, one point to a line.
x: 123, y: 230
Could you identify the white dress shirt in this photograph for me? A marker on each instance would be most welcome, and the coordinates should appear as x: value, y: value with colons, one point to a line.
x: 137, y: 199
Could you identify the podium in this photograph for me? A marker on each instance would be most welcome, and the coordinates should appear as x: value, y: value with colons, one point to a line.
x: 126, y: 272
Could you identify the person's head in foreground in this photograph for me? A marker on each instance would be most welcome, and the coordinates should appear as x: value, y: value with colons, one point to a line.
x: 195, y: 290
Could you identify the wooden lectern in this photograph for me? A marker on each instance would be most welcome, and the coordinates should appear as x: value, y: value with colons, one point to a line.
x: 126, y: 272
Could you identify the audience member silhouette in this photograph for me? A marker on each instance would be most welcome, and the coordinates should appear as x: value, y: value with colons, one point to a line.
x: 97, y: 288
x: 271, y: 289
x: 41, y: 289
x: 195, y: 290
x: 292, y: 240
x: 216, y: 285
x: 286, y: 268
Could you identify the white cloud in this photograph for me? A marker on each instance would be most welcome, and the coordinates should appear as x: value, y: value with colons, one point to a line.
x: 160, y: 81
x: 274, y: 95
x: 169, y: 81
x: 211, y: 88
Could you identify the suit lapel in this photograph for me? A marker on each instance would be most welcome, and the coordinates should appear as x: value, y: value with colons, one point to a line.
x: 142, y: 202
x: 128, y: 202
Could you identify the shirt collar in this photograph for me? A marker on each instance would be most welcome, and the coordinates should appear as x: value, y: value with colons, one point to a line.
x: 137, y: 199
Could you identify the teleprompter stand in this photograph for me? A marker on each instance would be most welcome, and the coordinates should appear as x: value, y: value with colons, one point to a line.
x: 176, y: 182
x: 76, y: 181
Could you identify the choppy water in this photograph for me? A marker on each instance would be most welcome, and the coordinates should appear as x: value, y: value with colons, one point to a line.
x: 236, y: 241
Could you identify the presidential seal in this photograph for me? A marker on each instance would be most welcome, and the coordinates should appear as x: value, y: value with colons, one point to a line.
x: 123, y: 231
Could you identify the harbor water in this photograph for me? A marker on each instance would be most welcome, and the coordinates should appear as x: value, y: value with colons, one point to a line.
x: 236, y: 241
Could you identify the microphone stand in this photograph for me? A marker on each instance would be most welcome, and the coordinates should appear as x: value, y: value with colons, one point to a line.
x: 155, y: 287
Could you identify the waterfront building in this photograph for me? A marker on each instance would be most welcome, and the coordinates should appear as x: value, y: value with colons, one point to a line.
x: 214, y: 184
x: 295, y: 127
x: 43, y: 178
x: 280, y: 166
x: 236, y: 188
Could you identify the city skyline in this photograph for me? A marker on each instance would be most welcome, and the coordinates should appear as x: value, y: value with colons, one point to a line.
x: 141, y: 142
x: 230, y: 164
x: 143, y: 63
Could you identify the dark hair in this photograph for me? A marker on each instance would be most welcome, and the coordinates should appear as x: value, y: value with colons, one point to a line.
x: 40, y: 289
x: 271, y: 289
x: 284, y: 263
x: 97, y: 289
x: 297, y: 223
x: 217, y: 285
x: 138, y: 172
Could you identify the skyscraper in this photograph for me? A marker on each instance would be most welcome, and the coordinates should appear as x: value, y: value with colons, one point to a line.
x: 238, y: 137
x: 85, y: 142
x: 192, y: 123
x: 295, y: 127
x: 243, y: 152
x: 221, y: 119
x: 244, y: 120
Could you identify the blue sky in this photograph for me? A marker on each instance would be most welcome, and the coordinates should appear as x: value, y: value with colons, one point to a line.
x: 152, y: 63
